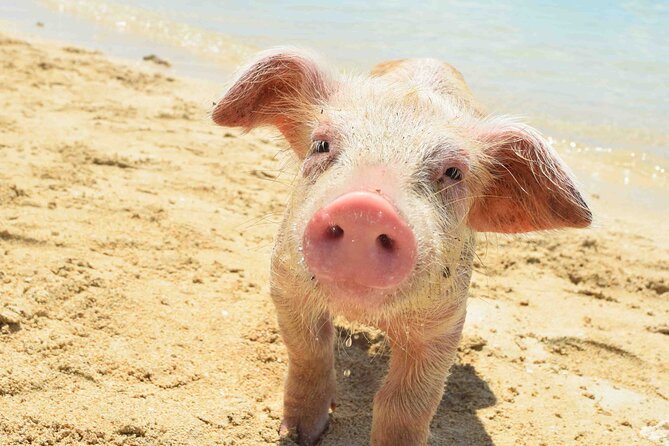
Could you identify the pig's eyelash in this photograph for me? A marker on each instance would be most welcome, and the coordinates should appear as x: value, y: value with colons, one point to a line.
x: 453, y: 173
x: 320, y: 146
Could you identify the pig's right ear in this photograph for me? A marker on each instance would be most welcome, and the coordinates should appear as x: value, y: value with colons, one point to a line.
x: 281, y: 88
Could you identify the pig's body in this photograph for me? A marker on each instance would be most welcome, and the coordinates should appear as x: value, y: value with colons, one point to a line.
x: 399, y: 171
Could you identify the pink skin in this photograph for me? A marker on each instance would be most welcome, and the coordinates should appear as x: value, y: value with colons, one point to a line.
x: 381, y: 225
x: 359, y: 243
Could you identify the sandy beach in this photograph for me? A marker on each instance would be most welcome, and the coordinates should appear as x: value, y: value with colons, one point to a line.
x: 134, y: 306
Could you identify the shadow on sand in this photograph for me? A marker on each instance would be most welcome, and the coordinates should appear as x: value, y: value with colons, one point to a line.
x: 360, y: 371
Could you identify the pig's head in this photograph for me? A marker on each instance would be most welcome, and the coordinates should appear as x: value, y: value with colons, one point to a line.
x: 398, y: 171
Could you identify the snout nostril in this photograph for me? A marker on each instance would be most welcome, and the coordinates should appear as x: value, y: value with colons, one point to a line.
x: 359, y: 246
x: 386, y: 242
x: 335, y: 232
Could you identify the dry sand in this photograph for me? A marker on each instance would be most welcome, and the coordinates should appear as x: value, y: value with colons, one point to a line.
x: 134, y: 307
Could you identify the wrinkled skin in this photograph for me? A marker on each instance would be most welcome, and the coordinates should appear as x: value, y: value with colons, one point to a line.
x: 412, y: 134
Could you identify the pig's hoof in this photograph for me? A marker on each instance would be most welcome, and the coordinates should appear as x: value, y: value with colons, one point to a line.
x: 305, y: 430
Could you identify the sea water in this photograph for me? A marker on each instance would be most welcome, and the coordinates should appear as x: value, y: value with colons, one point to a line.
x: 594, y: 76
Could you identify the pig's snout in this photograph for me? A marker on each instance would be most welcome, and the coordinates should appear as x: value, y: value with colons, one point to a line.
x: 359, y: 241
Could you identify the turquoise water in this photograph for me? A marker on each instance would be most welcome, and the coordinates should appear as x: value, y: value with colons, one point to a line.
x: 596, y: 72
x: 605, y: 62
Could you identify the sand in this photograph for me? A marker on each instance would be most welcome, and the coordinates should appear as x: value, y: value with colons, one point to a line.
x: 134, y: 307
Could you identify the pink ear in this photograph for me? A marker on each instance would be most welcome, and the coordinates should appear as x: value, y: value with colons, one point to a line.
x: 529, y: 187
x: 280, y: 88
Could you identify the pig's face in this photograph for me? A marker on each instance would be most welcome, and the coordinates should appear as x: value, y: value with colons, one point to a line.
x: 396, y: 175
x: 383, y: 199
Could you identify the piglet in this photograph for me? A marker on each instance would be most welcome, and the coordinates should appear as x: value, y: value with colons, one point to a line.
x: 399, y: 171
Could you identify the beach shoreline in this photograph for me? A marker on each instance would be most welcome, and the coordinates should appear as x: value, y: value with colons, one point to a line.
x: 594, y: 85
x: 626, y: 174
x: 135, y: 240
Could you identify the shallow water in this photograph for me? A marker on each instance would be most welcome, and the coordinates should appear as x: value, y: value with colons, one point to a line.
x: 592, y: 75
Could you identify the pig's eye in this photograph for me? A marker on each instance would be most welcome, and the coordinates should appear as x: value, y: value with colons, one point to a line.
x: 453, y: 173
x: 320, y: 146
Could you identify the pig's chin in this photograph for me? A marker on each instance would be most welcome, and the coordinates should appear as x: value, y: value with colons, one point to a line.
x: 351, y: 298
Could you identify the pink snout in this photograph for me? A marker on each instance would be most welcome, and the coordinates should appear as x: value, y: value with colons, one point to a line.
x: 359, y: 241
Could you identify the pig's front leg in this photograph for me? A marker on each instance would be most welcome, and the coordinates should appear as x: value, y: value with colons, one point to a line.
x: 309, y: 391
x: 410, y: 395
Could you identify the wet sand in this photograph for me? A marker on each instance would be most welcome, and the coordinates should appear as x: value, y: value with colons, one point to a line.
x: 134, y: 307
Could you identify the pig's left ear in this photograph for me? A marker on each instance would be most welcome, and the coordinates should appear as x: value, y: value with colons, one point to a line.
x: 525, y: 185
x: 280, y: 87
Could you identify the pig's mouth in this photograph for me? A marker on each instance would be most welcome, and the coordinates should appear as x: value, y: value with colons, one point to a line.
x: 351, y: 287
x: 347, y: 296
